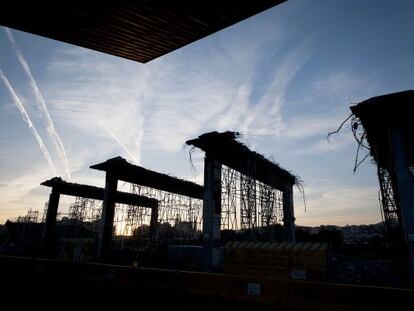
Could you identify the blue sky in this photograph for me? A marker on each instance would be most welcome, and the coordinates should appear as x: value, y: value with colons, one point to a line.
x: 283, y: 78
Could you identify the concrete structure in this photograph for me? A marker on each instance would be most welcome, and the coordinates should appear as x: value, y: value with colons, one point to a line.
x: 212, y: 210
x: 224, y: 149
x: 109, y: 198
x: 139, y: 30
x: 389, y: 130
x: 119, y: 169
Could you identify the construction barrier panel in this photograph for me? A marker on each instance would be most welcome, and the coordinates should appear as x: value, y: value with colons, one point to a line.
x: 277, y: 260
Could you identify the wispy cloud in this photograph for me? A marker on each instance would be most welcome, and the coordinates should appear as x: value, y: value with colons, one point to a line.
x: 26, y: 118
x: 270, y: 105
x: 342, y: 84
x: 178, y: 96
x: 265, y: 117
x: 102, y: 99
x: 177, y: 101
x: 130, y: 154
x: 41, y: 105
x: 334, y: 144
x: 310, y: 125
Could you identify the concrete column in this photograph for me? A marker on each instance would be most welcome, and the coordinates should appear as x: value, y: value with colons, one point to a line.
x: 288, y: 215
x: 212, y: 210
x: 107, y: 217
x: 404, y: 180
x: 153, y: 223
x: 50, y: 224
x: 153, y: 232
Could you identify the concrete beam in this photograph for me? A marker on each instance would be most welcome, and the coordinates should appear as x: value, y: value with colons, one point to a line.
x: 97, y: 193
x: 109, y: 195
x: 226, y: 149
x: 141, y: 176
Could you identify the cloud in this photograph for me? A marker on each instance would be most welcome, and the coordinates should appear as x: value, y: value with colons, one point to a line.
x: 41, y: 105
x: 159, y: 105
x: 174, y: 98
x: 132, y: 157
x: 304, y: 126
x: 334, y: 144
x: 93, y: 96
x: 28, y: 121
x: 163, y: 103
x: 265, y: 117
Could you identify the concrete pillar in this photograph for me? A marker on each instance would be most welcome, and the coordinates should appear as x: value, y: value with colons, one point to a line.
x: 49, y: 237
x: 404, y: 180
x: 153, y: 232
x: 49, y: 232
x: 153, y: 223
x: 212, y: 211
x: 107, y: 217
x: 288, y: 215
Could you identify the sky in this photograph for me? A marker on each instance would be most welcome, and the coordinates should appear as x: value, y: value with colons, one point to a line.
x: 283, y: 78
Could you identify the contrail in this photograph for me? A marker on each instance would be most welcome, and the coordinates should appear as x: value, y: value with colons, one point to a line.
x: 28, y: 121
x: 41, y: 104
x: 134, y: 159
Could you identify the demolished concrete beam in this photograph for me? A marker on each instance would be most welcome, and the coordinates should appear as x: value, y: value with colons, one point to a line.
x: 138, y: 175
x: 109, y: 195
x: 97, y: 193
x: 225, y: 148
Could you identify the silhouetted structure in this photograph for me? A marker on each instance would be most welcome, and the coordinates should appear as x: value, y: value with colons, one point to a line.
x: 119, y: 169
x: 262, y: 187
x: 389, y: 130
x: 140, y: 30
x: 256, y: 194
x: 61, y: 187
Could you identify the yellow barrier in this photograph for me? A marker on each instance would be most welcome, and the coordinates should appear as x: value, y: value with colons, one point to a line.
x: 280, y: 260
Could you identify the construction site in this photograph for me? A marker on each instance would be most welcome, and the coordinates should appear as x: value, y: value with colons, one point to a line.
x: 154, y: 238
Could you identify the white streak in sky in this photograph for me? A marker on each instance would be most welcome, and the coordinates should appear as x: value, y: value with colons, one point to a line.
x: 133, y: 158
x: 41, y: 104
x: 28, y: 121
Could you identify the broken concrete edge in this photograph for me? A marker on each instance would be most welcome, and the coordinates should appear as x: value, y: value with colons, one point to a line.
x: 139, y: 175
x: 97, y: 193
x: 216, y: 143
x: 380, y: 114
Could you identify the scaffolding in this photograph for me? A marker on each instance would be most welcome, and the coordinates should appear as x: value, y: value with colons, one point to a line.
x: 248, y: 203
x: 32, y: 216
x: 245, y: 195
x: 179, y: 216
x: 390, y: 211
x: 387, y: 132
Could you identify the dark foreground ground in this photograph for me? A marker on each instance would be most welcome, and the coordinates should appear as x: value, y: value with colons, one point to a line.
x: 34, y: 283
